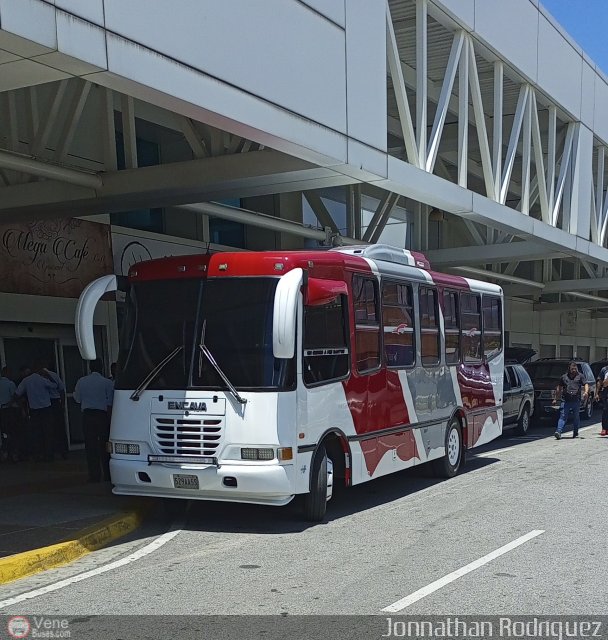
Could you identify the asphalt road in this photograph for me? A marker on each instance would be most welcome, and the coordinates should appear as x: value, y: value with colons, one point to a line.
x: 381, y: 543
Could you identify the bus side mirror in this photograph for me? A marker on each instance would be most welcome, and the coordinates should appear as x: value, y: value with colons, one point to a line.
x: 86, y: 310
x: 285, y: 314
x: 320, y: 292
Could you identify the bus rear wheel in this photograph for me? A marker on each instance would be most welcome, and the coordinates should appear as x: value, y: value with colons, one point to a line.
x: 321, y: 486
x: 449, y: 465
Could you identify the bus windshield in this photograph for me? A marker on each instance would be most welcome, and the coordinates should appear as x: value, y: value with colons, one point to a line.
x: 231, y: 317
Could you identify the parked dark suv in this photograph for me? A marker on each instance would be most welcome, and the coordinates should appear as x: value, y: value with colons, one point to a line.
x: 545, y: 374
x: 518, y: 398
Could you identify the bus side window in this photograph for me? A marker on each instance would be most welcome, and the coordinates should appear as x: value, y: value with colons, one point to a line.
x: 325, y: 342
x: 429, y: 326
x: 492, y: 326
x: 470, y: 319
x: 367, y: 323
x: 398, y: 323
x: 451, y: 320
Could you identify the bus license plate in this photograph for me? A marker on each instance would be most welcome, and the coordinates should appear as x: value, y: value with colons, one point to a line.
x: 182, y: 481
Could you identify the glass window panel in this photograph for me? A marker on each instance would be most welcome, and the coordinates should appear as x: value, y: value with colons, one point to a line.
x: 399, y: 350
x: 325, y: 342
x: 398, y: 322
x: 452, y: 348
x: 450, y: 310
x: 491, y: 313
x: 428, y: 307
x: 471, y: 347
x: 368, y: 349
x: 367, y: 327
x: 492, y: 343
x: 430, y: 348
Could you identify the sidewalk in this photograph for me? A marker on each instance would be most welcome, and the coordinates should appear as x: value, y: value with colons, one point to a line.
x: 50, y: 515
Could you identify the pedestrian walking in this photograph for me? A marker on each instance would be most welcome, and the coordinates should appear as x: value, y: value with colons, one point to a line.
x: 94, y: 394
x: 36, y: 389
x: 568, y: 396
x: 602, y: 394
x: 60, y: 439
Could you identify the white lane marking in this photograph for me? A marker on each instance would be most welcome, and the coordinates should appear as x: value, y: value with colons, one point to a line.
x: 140, y: 553
x: 489, y: 454
x: 451, y: 577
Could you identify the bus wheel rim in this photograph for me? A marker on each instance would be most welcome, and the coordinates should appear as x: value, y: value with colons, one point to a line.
x: 453, y: 447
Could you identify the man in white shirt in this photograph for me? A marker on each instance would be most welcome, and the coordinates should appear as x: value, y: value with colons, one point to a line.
x: 94, y: 393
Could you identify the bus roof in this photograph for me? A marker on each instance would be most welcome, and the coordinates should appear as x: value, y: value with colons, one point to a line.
x: 331, y: 264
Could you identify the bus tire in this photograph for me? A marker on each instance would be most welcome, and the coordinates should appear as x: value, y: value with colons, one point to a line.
x: 449, y: 465
x: 315, y: 502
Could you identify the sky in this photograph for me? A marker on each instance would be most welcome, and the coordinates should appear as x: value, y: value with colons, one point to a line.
x: 587, y: 22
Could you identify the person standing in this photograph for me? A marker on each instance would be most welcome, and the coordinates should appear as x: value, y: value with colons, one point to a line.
x: 7, y: 414
x: 36, y: 388
x: 602, y: 393
x: 94, y: 393
x: 568, y: 395
x: 60, y: 439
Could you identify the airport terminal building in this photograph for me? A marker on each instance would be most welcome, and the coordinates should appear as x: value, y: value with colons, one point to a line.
x: 129, y: 132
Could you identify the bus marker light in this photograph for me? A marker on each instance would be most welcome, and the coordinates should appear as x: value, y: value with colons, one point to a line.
x: 301, y: 436
x: 279, y: 266
x: 285, y: 453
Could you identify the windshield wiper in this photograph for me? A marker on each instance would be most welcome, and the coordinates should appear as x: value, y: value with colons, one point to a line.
x: 157, y: 369
x: 222, y: 375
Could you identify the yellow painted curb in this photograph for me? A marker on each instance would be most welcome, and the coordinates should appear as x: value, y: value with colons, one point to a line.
x: 28, y: 563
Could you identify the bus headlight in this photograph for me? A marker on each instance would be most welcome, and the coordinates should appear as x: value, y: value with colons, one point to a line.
x: 126, y: 448
x: 257, y: 454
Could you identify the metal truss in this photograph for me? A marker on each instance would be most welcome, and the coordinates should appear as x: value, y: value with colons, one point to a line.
x: 525, y: 153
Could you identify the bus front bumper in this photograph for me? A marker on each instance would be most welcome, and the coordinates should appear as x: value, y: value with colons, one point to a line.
x: 270, y: 484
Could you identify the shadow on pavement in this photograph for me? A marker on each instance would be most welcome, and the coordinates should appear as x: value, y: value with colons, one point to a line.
x: 243, y: 518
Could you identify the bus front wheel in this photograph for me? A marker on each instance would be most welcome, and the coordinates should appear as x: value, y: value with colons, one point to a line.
x: 449, y: 465
x: 321, y: 485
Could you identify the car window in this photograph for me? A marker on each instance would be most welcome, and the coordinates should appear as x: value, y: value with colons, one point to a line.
x: 506, y: 383
x: 513, y: 379
x: 549, y: 369
x: 523, y: 376
x: 555, y: 369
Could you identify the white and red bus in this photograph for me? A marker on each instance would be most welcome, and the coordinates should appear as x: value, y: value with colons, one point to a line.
x: 256, y: 377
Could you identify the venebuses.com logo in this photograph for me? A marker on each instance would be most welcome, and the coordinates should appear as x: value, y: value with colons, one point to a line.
x: 19, y: 627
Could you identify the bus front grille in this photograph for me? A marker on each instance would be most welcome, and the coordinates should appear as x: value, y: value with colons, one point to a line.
x: 187, y: 436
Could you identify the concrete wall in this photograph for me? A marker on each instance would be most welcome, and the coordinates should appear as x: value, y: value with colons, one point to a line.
x: 551, y: 328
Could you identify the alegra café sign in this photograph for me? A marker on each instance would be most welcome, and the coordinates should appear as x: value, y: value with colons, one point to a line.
x: 53, y: 257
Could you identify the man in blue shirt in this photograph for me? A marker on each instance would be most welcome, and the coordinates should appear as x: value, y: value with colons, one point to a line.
x: 36, y: 388
x: 94, y: 393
